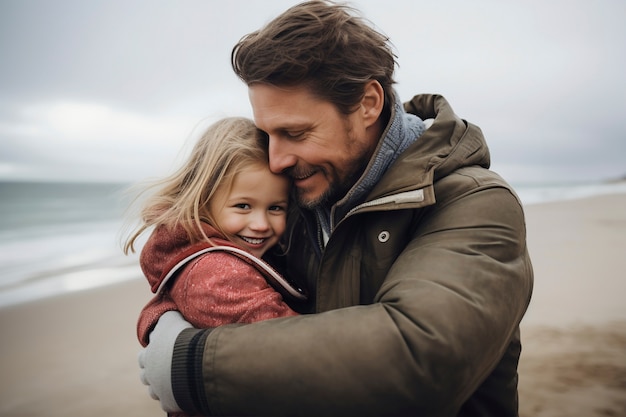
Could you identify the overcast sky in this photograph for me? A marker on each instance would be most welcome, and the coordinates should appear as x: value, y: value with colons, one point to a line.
x: 114, y: 90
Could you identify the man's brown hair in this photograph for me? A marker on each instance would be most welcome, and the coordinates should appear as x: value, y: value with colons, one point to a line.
x: 321, y: 45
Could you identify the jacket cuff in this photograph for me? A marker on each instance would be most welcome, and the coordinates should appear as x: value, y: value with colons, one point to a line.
x: 187, y: 381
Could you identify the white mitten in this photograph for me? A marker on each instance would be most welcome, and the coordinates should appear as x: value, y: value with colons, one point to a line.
x: 155, y: 360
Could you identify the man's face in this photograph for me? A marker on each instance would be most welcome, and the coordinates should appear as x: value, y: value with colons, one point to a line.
x: 323, y: 150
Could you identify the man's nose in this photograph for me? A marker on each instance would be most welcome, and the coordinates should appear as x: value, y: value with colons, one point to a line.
x: 280, y: 155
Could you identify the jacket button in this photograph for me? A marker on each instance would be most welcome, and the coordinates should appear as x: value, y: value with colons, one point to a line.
x: 383, y: 236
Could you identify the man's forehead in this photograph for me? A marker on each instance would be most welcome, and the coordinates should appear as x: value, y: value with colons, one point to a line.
x: 281, y: 111
x: 265, y: 95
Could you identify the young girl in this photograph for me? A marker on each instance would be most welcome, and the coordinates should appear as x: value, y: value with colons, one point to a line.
x: 213, y: 219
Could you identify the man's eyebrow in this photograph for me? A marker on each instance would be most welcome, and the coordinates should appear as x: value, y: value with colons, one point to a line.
x: 289, y: 126
x: 293, y: 126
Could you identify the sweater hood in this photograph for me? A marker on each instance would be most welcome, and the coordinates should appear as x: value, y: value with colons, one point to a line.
x: 166, y: 247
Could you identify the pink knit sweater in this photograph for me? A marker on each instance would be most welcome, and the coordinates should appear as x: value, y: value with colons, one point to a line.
x: 214, y: 289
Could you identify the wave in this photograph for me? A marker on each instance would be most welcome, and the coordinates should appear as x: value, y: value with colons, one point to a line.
x: 56, y: 239
x: 544, y: 193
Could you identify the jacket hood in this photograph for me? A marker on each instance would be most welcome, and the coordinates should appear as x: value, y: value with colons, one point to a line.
x: 449, y: 144
x: 168, y: 246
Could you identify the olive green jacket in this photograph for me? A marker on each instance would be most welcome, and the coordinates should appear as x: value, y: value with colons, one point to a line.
x: 419, y: 294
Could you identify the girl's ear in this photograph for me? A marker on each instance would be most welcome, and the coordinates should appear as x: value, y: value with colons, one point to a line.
x: 372, y: 102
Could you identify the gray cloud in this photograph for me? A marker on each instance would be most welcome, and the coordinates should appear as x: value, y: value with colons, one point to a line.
x: 120, y: 86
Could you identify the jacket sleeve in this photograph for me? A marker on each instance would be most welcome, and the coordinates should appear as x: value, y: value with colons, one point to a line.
x: 219, y: 288
x: 441, y: 322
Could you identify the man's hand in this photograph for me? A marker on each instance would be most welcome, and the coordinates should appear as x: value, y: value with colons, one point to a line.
x: 155, y: 360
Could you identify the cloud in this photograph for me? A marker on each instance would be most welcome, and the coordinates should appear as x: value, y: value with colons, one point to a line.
x: 95, y: 123
x: 117, y: 90
x: 88, y: 141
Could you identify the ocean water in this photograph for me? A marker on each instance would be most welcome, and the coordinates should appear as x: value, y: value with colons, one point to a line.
x: 543, y: 193
x: 62, y: 237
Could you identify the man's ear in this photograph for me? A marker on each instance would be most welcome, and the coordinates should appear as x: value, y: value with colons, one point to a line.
x: 372, y: 102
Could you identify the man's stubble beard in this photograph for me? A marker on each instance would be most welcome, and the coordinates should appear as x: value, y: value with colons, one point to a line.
x: 337, y: 188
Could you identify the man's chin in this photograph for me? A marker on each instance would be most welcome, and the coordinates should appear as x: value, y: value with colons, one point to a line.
x: 308, y: 203
x: 310, y: 200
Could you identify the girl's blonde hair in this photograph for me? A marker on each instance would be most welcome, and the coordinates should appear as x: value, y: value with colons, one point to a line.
x: 225, y: 149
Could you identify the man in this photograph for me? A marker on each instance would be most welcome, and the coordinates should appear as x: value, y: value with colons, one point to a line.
x: 413, y: 252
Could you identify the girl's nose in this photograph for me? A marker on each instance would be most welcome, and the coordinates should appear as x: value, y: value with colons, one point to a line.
x: 259, y: 222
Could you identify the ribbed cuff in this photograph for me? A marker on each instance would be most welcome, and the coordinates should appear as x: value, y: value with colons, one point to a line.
x: 187, y: 381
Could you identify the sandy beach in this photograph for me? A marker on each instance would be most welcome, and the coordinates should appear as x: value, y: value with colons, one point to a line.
x: 574, y: 334
x: 75, y: 355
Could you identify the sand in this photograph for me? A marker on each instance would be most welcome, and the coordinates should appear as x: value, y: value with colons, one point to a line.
x: 573, y: 359
x: 75, y: 355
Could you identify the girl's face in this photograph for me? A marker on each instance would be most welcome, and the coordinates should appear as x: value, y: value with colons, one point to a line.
x: 253, y: 213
